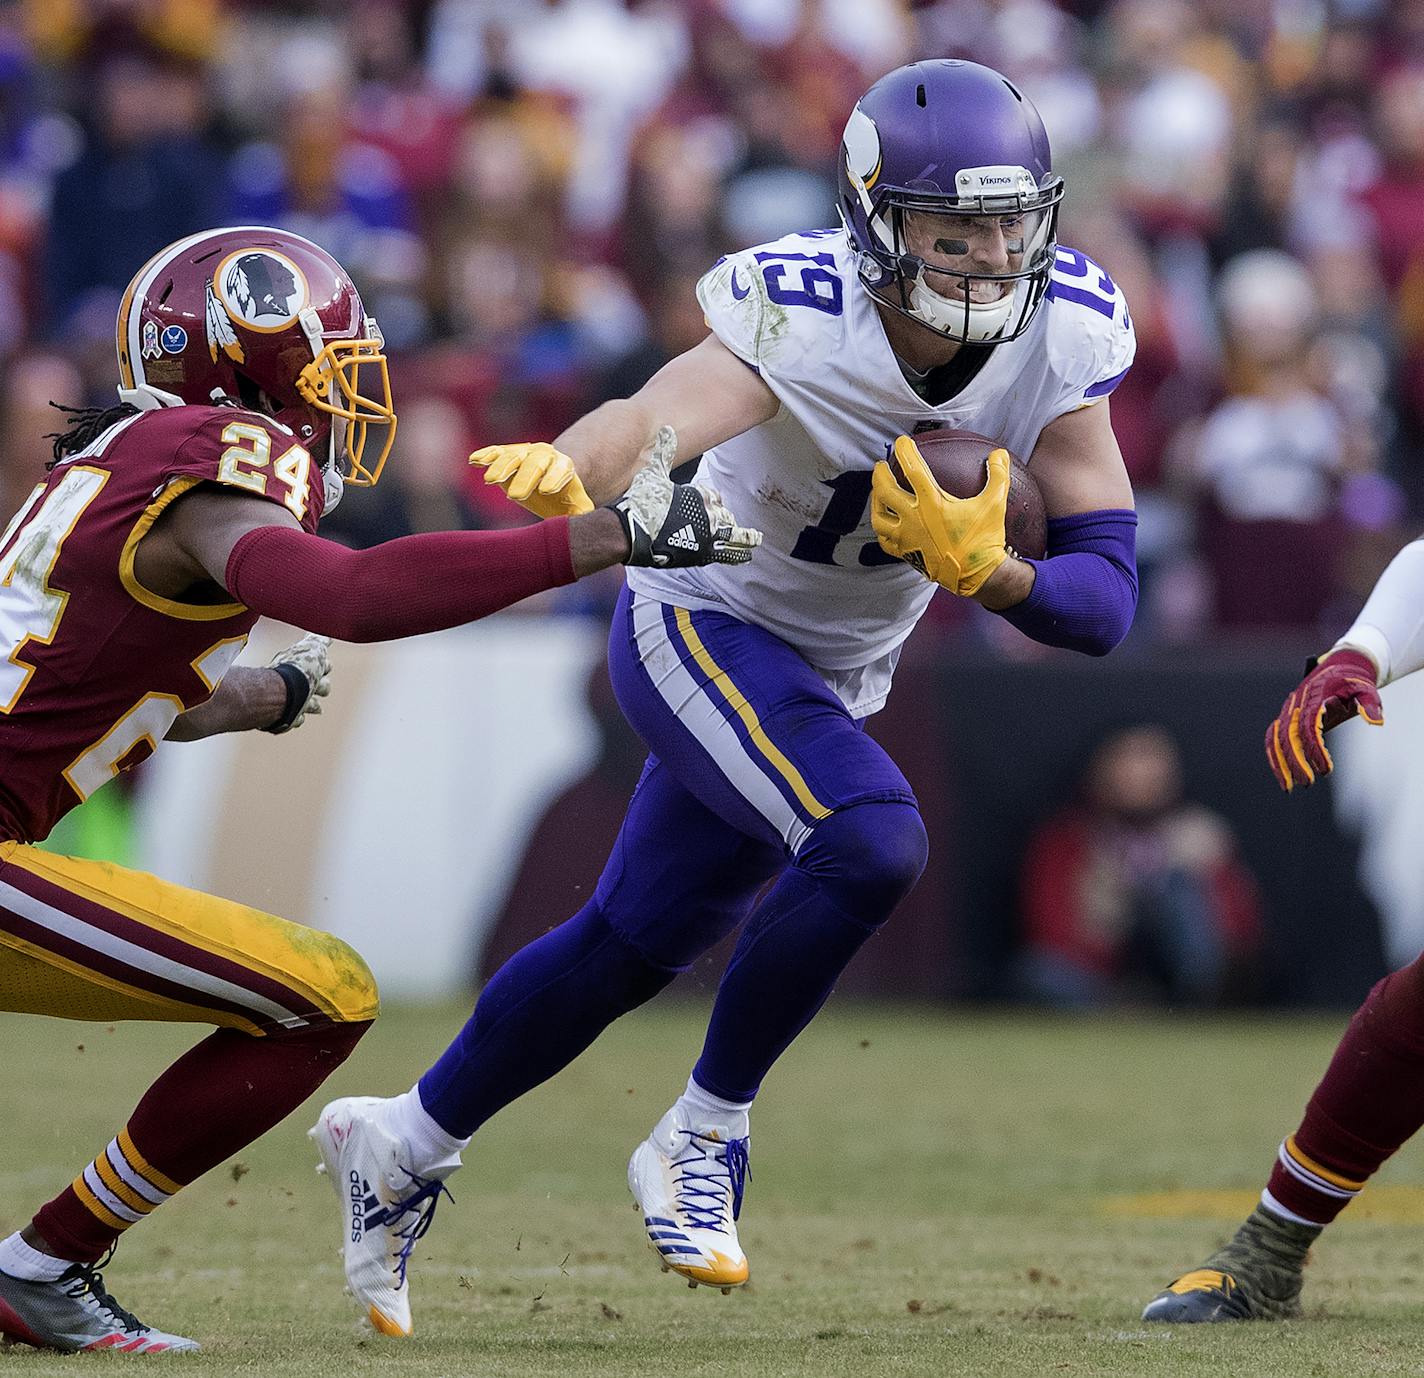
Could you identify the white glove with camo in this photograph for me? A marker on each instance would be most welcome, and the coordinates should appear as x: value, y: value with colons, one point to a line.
x: 674, y: 525
x: 305, y: 668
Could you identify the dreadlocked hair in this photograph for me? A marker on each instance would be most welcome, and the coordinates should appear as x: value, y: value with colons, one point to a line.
x: 86, y: 424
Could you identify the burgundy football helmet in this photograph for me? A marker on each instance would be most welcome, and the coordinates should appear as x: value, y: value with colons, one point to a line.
x: 231, y: 315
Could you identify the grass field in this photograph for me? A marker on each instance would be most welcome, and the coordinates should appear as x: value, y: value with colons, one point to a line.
x: 933, y: 1194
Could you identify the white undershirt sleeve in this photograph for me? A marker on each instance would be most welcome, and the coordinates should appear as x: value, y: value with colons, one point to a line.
x: 1390, y: 627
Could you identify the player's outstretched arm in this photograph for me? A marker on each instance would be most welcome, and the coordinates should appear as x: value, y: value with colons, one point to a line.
x: 1336, y: 688
x: 257, y: 553
x: 706, y: 395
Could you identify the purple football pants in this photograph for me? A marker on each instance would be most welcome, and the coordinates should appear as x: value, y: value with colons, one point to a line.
x: 755, y: 769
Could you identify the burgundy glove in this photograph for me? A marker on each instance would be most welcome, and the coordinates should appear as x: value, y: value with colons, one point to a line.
x: 1332, y: 692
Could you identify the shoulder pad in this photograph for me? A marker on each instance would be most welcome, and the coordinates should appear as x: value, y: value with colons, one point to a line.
x: 780, y: 303
x: 1091, y: 341
x: 250, y: 452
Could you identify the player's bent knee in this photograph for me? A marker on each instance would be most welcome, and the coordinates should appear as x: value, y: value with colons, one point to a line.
x: 871, y: 854
x: 651, y: 955
x: 349, y: 994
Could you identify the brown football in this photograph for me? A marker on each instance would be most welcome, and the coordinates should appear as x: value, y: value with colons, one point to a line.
x: 957, y: 461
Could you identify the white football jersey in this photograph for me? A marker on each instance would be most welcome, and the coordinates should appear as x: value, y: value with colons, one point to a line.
x: 796, y: 311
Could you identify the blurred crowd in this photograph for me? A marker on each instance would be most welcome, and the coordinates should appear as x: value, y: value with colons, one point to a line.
x: 527, y: 191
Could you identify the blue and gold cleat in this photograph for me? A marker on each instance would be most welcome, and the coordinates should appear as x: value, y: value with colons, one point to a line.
x: 1205, y: 1294
x: 1256, y: 1277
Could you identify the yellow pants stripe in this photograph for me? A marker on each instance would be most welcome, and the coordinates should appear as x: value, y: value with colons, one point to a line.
x: 34, y: 980
x: 204, y: 921
x: 737, y: 701
x: 140, y: 1165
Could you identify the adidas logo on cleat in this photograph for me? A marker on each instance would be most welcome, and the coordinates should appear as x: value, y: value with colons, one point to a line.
x: 364, y: 1202
x: 684, y: 539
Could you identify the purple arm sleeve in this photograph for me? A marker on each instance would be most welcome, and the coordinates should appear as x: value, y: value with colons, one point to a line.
x: 1085, y: 593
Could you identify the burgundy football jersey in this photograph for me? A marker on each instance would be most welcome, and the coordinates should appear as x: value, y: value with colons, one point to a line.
x: 94, y: 667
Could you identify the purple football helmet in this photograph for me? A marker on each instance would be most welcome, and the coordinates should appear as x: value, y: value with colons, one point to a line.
x: 950, y: 138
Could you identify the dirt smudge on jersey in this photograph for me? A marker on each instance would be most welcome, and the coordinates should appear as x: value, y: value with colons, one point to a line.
x: 809, y: 507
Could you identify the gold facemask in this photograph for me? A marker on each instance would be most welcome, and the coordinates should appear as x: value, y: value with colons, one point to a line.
x: 332, y: 383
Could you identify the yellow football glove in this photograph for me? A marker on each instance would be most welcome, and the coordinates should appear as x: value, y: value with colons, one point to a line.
x: 957, y: 542
x: 537, y: 477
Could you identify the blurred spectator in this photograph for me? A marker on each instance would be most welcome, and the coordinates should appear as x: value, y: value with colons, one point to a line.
x: 676, y: 327
x: 674, y: 203
x: 1133, y: 892
x: 614, y: 60
x: 871, y: 33
x: 1171, y: 120
x: 1395, y: 202
x: 147, y: 174
x: 1269, y: 463
x: 1033, y: 42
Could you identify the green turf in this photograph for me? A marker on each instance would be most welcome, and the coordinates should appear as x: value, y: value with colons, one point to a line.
x: 933, y: 1194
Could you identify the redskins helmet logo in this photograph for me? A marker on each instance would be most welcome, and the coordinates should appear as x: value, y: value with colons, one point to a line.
x: 260, y: 288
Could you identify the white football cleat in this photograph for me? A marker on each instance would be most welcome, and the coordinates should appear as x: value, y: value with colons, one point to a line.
x: 386, y: 1207
x: 687, y: 1181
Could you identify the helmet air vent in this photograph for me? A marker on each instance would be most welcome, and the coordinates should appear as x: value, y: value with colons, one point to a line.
x: 920, y: 95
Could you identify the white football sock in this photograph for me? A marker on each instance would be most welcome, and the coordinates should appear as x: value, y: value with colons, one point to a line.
x: 19, y: 1260
x: 702, y: 1108
x: 1275, y: 1208
x: 433, y: 1151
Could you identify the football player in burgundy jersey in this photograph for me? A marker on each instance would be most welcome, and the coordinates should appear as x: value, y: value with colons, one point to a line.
x: 252, y: 387
x: 1371, y: 1099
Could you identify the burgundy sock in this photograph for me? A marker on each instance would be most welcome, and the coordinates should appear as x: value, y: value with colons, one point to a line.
x: 1370, y: 1101
x: 216, y: 1099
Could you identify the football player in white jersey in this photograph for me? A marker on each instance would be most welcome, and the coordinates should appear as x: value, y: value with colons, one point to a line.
x: 943, y: 300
